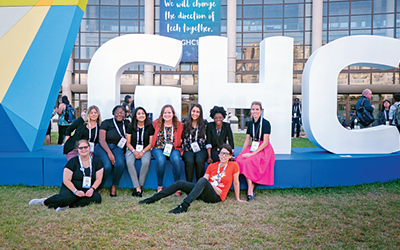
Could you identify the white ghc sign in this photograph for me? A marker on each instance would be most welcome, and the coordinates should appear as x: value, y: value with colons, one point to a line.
x: 319, y: 87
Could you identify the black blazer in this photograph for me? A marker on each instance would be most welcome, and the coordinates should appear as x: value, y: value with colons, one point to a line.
x: 215, y: 140
x: 79, y: 126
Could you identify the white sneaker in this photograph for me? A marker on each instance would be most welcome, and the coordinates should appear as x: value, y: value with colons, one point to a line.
x: 61, y: 209
x: 37, y: 201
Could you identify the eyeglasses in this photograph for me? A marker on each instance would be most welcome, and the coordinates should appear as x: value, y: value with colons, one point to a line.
x: 224, y: 153
x: 119, y: 113
x: 84, y: 147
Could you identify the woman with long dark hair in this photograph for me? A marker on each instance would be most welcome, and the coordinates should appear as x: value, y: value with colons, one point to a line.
x: 194, y: 143
x: 167, y: 144
x: 213, y: 187
x: 139, y: 140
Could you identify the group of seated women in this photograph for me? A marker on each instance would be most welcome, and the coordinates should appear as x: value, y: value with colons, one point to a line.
x: 114, y: 144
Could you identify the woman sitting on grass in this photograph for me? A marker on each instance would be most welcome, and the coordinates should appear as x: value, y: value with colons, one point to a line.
x: 213, y: 187
x: 82, y: 176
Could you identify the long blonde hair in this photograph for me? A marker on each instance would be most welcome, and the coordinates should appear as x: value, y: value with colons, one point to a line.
x: 87, y: 118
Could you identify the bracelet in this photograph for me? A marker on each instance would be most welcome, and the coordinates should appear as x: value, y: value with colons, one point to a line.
x: 93, y: 188
x: 76, y: 190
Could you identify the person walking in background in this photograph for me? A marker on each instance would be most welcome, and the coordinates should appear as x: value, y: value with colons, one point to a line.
x: 383, y: 116
x: 394, y: 112
x: 83, y: 114
x: 128, y: 104
x: 296, y: 116
x: 365, y: 102
x: 62, y: 122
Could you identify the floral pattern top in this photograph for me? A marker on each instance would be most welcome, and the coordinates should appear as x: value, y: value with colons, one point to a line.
x: 186, y: 140
x: 160, y: 140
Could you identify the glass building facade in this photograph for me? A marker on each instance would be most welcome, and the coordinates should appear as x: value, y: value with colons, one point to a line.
x: 255, y: 20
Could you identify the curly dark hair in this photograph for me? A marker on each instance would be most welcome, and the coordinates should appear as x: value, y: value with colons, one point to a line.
x: 216, y: 110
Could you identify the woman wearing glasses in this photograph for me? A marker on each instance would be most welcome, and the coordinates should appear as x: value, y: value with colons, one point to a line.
x: 218, y: 132
x: 213, y: 187
x: 257, y: 159
x: 81, y: 179
x: 111, y: 147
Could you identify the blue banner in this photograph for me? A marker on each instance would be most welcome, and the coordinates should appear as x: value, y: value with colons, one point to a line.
x: 187, y: 20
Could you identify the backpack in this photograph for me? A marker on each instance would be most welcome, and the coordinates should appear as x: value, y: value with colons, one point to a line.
x: 70, y: 114
x: 396, y: 113
x: 365, y: 117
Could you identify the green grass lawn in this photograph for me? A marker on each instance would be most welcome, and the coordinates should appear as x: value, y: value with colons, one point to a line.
x: 355, y: 217
x: 296, y: 142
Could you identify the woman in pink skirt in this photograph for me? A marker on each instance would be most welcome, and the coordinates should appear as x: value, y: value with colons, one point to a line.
x: 257, y: 159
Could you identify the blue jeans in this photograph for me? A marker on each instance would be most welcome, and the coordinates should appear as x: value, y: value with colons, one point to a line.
x: 161, y: 159
x: 119, y: 165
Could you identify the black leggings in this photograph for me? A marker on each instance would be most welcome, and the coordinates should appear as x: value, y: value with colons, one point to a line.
x: 67, y: 198
x: 61, y: 133
x: 202, y: 190
x: 192, y: 161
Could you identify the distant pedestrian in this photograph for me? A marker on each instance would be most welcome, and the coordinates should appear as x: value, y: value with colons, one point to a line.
x: 62, y: 122
x: 383, y: 116
x: 394, y: 112
x: 128, y: 102
x: 296, y: 115
x: 364, y: 108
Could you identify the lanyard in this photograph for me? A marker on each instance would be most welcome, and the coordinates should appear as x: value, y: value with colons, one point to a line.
x: 172, y: 134
x: 195, y: 137
x: 218, y: 175
x: 90, y: 133
x: 254, y: 130
x: 83, y: 169
x: 137, y: 136
x: 123, y: 127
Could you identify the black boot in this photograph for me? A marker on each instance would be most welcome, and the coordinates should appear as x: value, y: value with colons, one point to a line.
x: 148, y: 200
x: 179, y: 209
